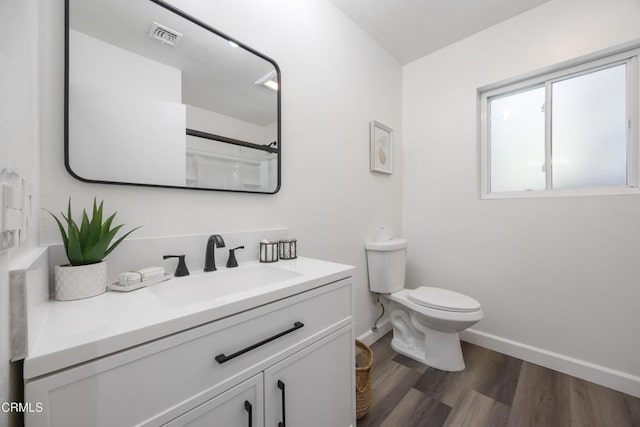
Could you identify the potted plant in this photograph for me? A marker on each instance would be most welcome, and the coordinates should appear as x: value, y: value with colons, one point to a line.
x: 86, y: 246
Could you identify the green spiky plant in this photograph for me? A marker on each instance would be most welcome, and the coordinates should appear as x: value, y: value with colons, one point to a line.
x: 89, y: 243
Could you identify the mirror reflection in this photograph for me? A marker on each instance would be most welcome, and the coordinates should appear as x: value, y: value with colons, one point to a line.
x: 155, y: 98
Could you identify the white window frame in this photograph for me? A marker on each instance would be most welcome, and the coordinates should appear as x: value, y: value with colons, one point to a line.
x: 546, y: 78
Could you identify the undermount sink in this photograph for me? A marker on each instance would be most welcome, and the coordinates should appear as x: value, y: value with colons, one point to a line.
x: 218, y: 284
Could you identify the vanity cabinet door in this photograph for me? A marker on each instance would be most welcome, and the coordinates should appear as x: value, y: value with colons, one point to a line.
x: 240, y: 406
x: 315, y: 386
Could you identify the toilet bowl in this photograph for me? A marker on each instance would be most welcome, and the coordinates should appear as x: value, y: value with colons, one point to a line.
x: 427, y: 331
x: 425, y: 320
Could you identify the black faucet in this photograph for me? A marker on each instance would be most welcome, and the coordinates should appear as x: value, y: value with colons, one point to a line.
x: 215, y: 241
x: 232, y: 261
x: 181, y: 270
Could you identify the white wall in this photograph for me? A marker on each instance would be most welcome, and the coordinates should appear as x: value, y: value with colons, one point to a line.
x: 559, y: 274
x: 19, y: 90
x: 335, y: 80
x: 116, y: 96
x: 18, y: 150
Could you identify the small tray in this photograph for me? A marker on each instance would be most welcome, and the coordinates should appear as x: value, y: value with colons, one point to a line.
x: 119, y: 288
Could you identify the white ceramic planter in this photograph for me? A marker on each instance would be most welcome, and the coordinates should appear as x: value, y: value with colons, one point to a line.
x: 78, y: 282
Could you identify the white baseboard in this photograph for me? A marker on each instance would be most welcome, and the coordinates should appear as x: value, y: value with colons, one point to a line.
x: 370, y: 337
x: 607, y: 377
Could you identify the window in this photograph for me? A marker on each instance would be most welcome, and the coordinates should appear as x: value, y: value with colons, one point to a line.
x: 571, y: 131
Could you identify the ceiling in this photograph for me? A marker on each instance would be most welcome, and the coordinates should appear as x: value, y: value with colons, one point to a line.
x: 410, y: 29
x: 215, y: 76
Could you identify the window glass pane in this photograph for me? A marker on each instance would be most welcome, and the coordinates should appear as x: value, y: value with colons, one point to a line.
x: 517, y: 141
x: 588, y: 136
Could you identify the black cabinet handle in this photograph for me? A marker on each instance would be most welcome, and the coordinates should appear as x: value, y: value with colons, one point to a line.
x: 222, y: 358
x: 282, y: 423
x: 249, y: 409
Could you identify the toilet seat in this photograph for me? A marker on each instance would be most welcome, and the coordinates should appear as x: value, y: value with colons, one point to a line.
x: 443, y: 299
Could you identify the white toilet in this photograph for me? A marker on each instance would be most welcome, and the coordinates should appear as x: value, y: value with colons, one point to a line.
x: 426, y: 320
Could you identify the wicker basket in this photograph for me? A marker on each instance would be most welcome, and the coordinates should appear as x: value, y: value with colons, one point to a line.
x: 364, y: 361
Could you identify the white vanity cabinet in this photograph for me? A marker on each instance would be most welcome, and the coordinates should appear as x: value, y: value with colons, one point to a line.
x: 205, y: 375
x: 312, y: 387
x: 242, y: 406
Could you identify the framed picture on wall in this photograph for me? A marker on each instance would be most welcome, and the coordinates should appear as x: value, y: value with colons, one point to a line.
x: 381, y: 145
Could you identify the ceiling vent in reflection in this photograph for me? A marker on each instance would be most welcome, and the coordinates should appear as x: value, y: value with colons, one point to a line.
x: 165, y: 34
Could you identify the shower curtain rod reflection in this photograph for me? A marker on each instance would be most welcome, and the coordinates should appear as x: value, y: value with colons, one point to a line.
x: 271, y: 148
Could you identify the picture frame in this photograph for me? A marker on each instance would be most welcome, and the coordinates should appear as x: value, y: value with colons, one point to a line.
x: 381, y: 148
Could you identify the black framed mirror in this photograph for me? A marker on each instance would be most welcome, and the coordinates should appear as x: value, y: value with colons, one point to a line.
x: 155, y: 97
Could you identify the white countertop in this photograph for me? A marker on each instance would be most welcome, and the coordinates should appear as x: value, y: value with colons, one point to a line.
x: 73, y: 332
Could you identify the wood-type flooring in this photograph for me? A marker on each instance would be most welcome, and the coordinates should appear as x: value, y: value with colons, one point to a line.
x: 494, y: 390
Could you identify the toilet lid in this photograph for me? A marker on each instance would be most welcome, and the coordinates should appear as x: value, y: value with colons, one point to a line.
x: 443, y: 299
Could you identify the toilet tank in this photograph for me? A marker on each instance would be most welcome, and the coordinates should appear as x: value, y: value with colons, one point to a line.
x: 386, y: 261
